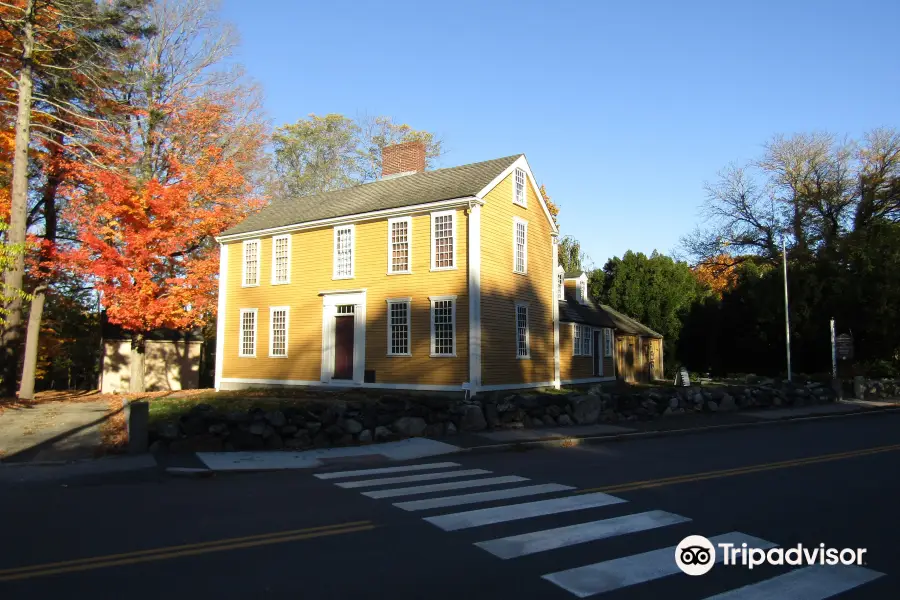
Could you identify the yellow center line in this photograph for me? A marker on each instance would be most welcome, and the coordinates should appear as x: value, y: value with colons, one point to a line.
x: 164, y: 553
x: 799, y: 462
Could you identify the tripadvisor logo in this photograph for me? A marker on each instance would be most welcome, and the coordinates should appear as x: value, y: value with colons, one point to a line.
x: 696, y: 555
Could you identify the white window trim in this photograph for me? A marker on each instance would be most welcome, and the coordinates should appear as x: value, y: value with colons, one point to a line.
x: 608, y: 342
x: 390, y: 248
x: 275, y: 239
x: 334, y: 266
x: 408, y: 302
x: 590, y: 340
x: 287, y: 330
x: 244, y: 262
x: 524, y: 202
x: 241, y: 332
x: 576, y: 345
x: 434, y: 215
x: 434, y: 299
x: 560, y: 282
x: 527, y: 355
x: 516, y: 221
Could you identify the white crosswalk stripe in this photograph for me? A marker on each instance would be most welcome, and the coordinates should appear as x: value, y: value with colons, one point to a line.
x: 551, y: 539
x: 513, y: 512
x: 638, y: 568
x: 385, y: 470
x: 458, y: 500
x: 412, y: 478
x: 442, y: 487
x: 810, y: 583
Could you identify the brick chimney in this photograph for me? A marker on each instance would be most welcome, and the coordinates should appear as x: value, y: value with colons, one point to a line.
x: 402, y: 159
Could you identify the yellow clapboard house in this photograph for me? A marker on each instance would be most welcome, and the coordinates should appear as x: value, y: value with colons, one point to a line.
x: 425, y: 280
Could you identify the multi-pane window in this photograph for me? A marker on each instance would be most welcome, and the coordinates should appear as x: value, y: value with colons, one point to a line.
x: 251, y: 262
x: 607, y: 342
x: 582, y: 341
x: 522, y: 341
x: 519, y: 196
x: 247, y: 338
x: 399, y: 245
x: 281, y: 259
x: 346, y: 309
x: 398, y: 328
x: 443, y: 238
x: 520, y: 245
x: 560, y: 285
x: 443, y: 329
x: 343, y: 252
x: 278, y: 318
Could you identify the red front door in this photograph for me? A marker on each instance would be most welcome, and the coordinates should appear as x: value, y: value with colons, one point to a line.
x: 343, y: 347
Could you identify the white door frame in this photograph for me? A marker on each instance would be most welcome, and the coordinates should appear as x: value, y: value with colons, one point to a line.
x: 330, y: 302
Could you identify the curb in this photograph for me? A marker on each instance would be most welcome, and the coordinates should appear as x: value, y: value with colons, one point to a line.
x: 569, y: 442
x: 190, y: 472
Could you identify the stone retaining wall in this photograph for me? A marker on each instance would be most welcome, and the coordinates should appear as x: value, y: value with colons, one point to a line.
x: 338, y: 422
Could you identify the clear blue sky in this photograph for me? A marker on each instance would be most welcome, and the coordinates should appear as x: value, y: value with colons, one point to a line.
x: 623, y: 109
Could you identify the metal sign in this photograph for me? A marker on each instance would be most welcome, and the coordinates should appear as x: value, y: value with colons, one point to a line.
x: 844, y: 344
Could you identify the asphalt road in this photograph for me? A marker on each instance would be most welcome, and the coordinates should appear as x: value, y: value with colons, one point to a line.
x: 294, y: 535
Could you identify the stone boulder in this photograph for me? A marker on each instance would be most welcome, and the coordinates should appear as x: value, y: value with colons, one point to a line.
x: 564, y: 420
x: 352, y: 426
x: 410, y: 426
x: 382, y: 433
x: 727, y: 403
x: 168, y: 431
x: 473, y: 418
x: 585, y: 409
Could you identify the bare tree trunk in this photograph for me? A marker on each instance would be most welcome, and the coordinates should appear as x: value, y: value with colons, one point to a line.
x: 12, y: 278
x: 26, y: 388
x: 32, y: 336
x: 138, y: 345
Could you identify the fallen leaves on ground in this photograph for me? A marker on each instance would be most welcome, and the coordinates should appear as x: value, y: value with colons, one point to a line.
x: 114, y: 431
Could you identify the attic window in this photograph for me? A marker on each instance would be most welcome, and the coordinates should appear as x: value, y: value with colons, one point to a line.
x: 560, y: 285
x: 582, y: 291
x: 519, y: 196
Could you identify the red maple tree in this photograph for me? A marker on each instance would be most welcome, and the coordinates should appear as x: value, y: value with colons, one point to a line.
x: 147, y: 245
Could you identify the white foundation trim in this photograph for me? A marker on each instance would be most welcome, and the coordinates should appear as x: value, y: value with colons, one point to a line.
x: 343, y: 384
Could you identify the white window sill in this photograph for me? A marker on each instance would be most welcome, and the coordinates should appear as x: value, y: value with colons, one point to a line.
x: 398, y: 355
x: 281, y: 282
x: 342, y: 277
x: 246, y: 356
x: 400, y: 273
x: 528, y: 357
x: 444, y: 269
x: 522, y: 204
x: 278, y: 356
x: 520, y: 272
x: 249, y: 285
x: 443, y: 355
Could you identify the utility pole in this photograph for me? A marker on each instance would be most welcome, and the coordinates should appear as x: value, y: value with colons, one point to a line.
x: 787, y: 317
x: 833, y: 352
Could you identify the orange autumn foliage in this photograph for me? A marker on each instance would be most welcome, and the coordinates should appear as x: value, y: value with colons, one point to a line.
x: 148, y: 246
x: 717, y: 273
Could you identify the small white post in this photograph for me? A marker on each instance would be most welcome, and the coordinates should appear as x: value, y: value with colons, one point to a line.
x: 787, y: 318
x: 833, y: 352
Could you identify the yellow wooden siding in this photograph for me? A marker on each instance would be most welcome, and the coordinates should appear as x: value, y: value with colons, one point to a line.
x: 311, y: 273
x: 501, y: 288
x: 572, y: 367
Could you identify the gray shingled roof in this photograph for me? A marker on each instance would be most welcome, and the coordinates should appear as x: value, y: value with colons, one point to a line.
x: 571, y: 311
x: 419, y: 188
x: 626, y: 324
